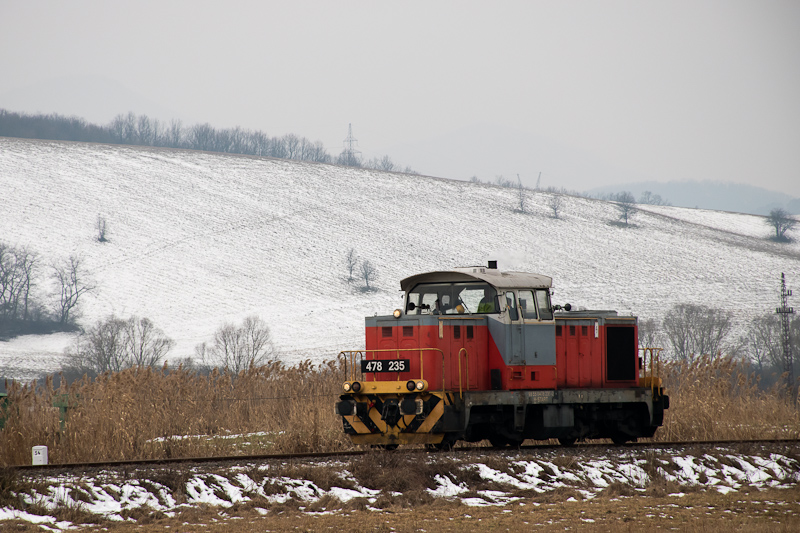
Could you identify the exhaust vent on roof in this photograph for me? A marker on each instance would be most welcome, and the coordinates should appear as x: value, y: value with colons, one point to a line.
x: 493, y: 265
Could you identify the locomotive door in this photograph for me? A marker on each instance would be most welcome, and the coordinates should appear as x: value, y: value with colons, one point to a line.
x: 539, y: 344
x: 573, y: 357
x: 579, y: 356
x: 517, y: 340
x: 464, y: 351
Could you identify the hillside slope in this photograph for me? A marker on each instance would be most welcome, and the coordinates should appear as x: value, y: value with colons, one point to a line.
x: 197, y: 239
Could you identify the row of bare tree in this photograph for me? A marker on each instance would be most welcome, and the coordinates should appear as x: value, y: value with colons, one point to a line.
x: 114, y: 344
x: 33, y: 294
x: 689, y: 331
x: 143, y: 131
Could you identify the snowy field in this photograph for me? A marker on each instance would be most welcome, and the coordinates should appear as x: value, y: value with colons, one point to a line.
x: 514, y: 479
x: 197, y: 239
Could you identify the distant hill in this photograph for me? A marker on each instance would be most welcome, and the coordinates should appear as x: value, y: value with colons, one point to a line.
x: 197, y: 238
x: 720, y: 196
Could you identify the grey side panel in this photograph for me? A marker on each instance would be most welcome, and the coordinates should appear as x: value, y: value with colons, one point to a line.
x: 501, y: 335
x: 540, y: 344
x: 534, y: 345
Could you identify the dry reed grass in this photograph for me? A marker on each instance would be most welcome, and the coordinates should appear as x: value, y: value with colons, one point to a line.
x: 148, y: 414
x: 718, y: 397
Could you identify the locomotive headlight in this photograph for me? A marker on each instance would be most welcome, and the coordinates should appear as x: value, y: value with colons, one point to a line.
x: 411, y: 386
x: 356, y: 386
x: 420, y: 385
x: 397, y: 313
x: 347, y: 387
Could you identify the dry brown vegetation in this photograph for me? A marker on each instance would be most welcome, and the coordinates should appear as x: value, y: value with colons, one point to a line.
x: 719, y: 398
x: 151, y: 414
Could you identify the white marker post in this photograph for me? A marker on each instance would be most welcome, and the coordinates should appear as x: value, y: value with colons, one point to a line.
x: 40, y: 455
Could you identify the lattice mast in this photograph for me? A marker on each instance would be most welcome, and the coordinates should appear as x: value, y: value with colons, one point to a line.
x: 784, y: 311
x: 351, y: 156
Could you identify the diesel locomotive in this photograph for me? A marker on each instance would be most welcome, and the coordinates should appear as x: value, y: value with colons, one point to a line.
x: 477, y: 353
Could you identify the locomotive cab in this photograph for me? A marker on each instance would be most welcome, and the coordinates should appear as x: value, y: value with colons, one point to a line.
x: 476, y: 353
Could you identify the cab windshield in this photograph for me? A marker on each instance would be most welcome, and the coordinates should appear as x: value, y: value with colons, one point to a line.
x: 452, y: 298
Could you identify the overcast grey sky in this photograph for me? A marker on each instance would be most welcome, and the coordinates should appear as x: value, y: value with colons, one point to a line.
x: 587, y: 93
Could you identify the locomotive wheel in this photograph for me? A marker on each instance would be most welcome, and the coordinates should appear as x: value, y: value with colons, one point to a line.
x: 567, y: 441
x: 619, y: 439
x: 498, y: 441
x: 446, y: 445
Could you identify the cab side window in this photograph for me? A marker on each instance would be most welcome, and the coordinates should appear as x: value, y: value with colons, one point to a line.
x: 511, y: 305
x: 543, y: 303
x: 527, y: 305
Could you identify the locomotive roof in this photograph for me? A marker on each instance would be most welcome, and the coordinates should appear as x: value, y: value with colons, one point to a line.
x: 492, y: 276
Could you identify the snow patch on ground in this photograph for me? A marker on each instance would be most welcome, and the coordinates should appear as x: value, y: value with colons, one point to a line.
x: 110, y: 495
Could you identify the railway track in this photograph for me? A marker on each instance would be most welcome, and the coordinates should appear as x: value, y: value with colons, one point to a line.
x: 593, y: 446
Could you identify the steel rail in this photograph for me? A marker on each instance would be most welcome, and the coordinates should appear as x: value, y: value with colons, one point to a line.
x: 355, y: 453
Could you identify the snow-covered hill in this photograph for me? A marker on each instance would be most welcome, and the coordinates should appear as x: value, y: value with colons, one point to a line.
x: 197, y: 239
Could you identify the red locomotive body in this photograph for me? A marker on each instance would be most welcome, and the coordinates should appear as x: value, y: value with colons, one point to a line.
x: 482, y: 354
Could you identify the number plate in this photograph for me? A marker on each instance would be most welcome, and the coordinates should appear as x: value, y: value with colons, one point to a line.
x: 386, y: 365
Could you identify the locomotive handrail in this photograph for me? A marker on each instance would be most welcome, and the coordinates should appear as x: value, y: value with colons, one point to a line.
x: 464, y: 351
x: 353, y: 354
x: 655, y: 365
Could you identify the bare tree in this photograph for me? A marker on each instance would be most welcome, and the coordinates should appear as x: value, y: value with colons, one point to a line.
x: 102, y: 229
x: 503, y: 182
x: 694, y: 330
x: 554, y: 203
x: 237, y: 143
x: 238, y: 348
x: 367, y: 272
x: 9, y: 281
x: 72, y: 282
x: 145, y: 345
x: 626, y: 205
x: 118, y: 128
x: 522, y: 196
x: 781, y: 222
x: 316, y: 152
x: 27, y: 264
x: 763, y: 341
x: 175, y: 135
x: 114, y: 344
x: 648, y: 198
x: 130, y: 131
x: 277, y: 148
x: 144, y: 131
x: 351, y: 260
x: 100, y: 348
x: 650, y: 334
x: 292, y: 144
x: 349, y: 158
x: 202, y: 137
x: 17, y: 273
x: 386, y: 164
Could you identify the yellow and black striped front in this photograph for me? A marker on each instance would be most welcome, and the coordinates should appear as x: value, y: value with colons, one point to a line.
x: 388, y: 415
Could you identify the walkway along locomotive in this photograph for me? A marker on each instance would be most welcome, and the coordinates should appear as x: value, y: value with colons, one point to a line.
x: 477, y: 353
